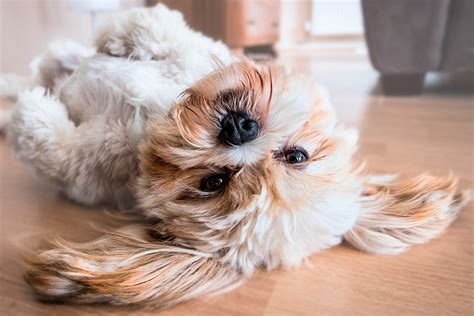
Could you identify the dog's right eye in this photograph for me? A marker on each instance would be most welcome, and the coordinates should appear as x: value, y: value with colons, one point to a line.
x: 213, y: 183
x: 296, y: 156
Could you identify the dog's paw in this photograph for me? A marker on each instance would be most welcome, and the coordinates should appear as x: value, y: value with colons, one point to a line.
x: 143, y: 33
x: 37, y: 120
x: 42, y: 112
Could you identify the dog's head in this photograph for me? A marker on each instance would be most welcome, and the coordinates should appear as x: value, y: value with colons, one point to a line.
x: 248, y: 169
x: 250, y: 146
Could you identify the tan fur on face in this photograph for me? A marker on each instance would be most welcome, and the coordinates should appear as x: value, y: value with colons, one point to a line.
x: 190, y: 130
x: 117, y: 129
x: 183, y: 147
x: 269, y: 214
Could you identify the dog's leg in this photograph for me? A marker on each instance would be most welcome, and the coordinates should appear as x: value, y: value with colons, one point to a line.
x: 38, y: 128
x: 144, y: 33
x: 58, y: 62
x: 160, y: 34
x: 90, y: 162
x: 48, y: 70
x: 398, y: 214
x: 128, y: 266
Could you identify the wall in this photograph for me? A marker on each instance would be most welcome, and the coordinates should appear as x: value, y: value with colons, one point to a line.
x: 26, y: 27
x: 294, y: 19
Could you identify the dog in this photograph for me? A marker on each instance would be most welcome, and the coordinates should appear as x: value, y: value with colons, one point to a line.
x: 240, y: 166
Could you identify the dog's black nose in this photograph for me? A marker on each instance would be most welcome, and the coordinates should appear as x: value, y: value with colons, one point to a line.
x: 238, y: 128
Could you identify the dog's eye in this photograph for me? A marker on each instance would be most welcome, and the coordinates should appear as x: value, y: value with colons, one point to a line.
x: 296, y: 156
x: 213, y: 183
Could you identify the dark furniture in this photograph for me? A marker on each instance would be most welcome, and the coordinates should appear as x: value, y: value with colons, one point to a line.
x: 408, y: 38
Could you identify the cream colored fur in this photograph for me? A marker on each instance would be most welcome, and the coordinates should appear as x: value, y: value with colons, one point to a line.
x: 136, y: 125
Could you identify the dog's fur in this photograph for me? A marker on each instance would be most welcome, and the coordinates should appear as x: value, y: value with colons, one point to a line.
x: 138, y: 124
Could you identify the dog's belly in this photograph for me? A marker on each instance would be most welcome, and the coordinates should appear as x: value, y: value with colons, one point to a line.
x: 117, y: 88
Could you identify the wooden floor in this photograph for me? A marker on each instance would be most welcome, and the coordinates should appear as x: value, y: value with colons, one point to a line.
x: 432, y: 132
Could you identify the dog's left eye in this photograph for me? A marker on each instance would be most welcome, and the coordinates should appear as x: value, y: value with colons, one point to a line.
x: 295, y: 156
x: 213, y: 183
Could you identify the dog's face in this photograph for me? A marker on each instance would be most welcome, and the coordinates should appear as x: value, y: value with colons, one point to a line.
x: 245, y: 143
x: 247, y: 170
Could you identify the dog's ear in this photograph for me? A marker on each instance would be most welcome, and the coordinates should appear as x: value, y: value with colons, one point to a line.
x: 397, y: 214
x: 128, y: 266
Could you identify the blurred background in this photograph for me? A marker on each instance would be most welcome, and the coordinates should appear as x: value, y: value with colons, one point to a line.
x: 404, y: 40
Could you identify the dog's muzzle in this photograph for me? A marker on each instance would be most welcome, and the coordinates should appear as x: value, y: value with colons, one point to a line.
x: 238, y: 128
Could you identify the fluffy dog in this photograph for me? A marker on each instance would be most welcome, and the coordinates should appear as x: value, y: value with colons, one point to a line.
x: 241, y: 166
